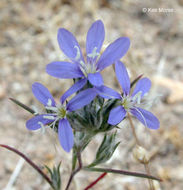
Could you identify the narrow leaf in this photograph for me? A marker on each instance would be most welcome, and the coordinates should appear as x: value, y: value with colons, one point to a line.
x: 135, y: 80
x: 22, y: 105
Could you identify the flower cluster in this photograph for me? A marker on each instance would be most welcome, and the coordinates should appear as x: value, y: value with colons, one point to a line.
x: 89, y: 86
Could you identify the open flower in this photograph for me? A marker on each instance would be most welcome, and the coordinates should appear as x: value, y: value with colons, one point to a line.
x: 129, y: 103
x: 94, y: 64
x: 58, y: 113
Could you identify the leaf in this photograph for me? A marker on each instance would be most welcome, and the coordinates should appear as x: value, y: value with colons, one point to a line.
x: 106, y: 149
x: 22, y: 105
x: 55, y: 176
x: 135, y: 80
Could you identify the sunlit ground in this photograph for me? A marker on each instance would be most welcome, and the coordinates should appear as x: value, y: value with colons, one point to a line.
x: 28, y: 42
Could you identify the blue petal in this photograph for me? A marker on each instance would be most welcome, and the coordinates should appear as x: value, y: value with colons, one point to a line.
x: 108, y: 93
x: 64, y: 70
x: 81, y: 99
x: 69, y: 45
x: 95, y: 79
x: 122, y: 76
x: 143, y: 86
x: 113, y: 52
x: 116, y: 115
x: 146, y: 117
x: 35, y: 122
x: 95, y: 37
x: 43, y: 94
x: 65, y: 135
x: 74, y: 88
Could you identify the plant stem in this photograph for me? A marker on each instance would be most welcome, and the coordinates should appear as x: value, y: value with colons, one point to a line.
x: 147, y: 169
x: 73, y: 173
x: 123, y: 172
x: 29, y: 162
x: 149, y: 180
x: 133, y: 129
x: 96, y: 181
x: 74, y: 160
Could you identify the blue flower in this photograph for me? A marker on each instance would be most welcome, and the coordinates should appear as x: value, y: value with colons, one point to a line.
x: 91, y: 68
x: 58, y: 113
x: 129, y: 103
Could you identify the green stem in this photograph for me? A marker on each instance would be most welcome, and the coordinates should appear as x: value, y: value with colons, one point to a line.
x: 74, y: 160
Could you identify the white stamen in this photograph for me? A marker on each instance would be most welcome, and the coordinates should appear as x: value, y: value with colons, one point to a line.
x: 83, y: 68
x: 78, y: 55
x: 51, y: 108
x: 50, y: 117
x: 141, y: 115
x: 42, y: 127
x: 49, y: 103
x: 137, y: 97
x: 53, y: 123
x: 82, y: 63
x: 88, y: 67
x: 94, y: 53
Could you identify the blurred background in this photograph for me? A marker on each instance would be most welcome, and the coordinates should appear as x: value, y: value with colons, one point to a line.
x: 28, y: 42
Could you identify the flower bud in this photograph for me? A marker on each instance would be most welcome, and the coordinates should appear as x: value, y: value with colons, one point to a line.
x: 140, y: 154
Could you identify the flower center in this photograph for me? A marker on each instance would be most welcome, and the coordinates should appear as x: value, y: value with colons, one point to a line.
x: 61, y: 112
x: 90, y: 66
x: 87, y: 68
x: 127, y: 102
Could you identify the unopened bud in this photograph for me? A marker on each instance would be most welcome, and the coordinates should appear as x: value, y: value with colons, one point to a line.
x: 140, y: 154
